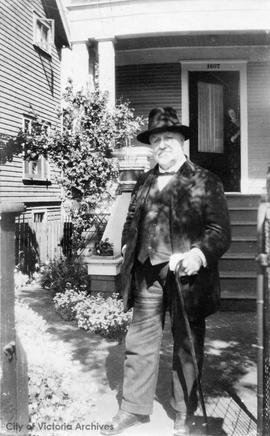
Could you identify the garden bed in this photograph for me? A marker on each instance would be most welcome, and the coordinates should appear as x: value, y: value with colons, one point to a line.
x: 57, y: 402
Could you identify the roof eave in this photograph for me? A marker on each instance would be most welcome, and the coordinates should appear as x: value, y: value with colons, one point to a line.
x: 55, y: 10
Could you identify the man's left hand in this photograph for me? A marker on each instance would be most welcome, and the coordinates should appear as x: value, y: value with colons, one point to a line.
x: 191, y: 262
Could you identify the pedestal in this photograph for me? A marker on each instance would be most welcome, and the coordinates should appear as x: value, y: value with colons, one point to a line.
x: 105, y: 273
x: 105, y: 270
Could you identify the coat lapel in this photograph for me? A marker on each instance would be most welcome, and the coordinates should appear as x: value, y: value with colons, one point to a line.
x: 184, y: 180
x: 144, y: 189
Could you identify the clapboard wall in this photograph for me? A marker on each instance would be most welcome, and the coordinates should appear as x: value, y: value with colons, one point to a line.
x: 148, y: 86
x: 258, y: 83
x: 30, y: 86
x: 151, y: 85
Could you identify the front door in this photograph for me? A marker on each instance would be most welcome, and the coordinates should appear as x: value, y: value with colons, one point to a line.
x: 214, y: 107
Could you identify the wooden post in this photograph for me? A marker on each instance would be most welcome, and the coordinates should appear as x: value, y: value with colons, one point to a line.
x: 13, y: 367
x: 263, y: 312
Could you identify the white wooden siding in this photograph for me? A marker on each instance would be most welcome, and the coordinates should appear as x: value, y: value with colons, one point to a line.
x: 150, y: 85
x: 258, y: 80
x: 29, y: 84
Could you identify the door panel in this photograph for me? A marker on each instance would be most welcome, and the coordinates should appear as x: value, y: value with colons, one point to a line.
x: 210, y: 118
x: 212, y: 97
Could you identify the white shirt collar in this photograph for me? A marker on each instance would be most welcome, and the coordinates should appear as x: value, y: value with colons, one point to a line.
x: 175, y: 167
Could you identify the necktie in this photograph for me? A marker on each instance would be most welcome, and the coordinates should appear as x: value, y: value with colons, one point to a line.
x: 166, y: 173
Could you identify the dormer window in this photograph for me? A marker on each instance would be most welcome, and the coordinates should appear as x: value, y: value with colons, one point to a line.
x: 43, y: 34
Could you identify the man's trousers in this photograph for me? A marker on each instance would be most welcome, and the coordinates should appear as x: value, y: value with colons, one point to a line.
x: 155, y: 292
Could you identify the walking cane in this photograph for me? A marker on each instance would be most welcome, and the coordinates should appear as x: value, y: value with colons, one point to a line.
x: 192, y: 348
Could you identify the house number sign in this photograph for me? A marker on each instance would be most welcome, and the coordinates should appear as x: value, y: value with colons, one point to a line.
x: 213, y: 66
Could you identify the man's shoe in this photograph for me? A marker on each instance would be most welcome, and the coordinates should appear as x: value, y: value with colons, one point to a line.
x: 121, y: 421
x: 180, y: 427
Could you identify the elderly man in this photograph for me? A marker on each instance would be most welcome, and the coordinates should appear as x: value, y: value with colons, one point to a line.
x: 177, y: 212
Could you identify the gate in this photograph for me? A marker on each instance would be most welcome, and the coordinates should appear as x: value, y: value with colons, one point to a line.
x: 263, y: 312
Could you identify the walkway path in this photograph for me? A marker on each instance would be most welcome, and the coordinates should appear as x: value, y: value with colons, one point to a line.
x: 230, y: 356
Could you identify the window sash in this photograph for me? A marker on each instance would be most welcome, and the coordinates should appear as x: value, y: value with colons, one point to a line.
x: 43, y: 33
x: 34, y: 169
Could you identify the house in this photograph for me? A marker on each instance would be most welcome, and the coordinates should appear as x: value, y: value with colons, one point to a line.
x: 32, y: 35
x: 211, y: 61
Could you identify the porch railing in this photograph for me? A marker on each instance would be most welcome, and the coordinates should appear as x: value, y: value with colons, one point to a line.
x: 263, y: 312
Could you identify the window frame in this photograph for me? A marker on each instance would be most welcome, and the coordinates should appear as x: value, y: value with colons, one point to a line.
x: 49, y: 24
x: 42, y: 211
x: 43, y: 175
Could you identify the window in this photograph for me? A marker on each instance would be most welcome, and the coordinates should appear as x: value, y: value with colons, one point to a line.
x: 38, y: 217
x: 43, y: 33
x: 210, y: 117
x: 35, y: 171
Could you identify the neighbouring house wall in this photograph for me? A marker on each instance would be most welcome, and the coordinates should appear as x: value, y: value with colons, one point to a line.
x: 29, y: 85
x: 43, y: 236
x: 258, y: 82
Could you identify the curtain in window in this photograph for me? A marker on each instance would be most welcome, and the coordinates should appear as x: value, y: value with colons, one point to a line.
x: 210, y: 118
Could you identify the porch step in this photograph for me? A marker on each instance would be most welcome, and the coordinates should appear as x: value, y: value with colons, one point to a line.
x: 243, y: 244
x: 240, y: 200
x: 238, y: 287
x: 248, y: 213
x: 238, y: 276
x: 238, y: 262
x: 244, y: 228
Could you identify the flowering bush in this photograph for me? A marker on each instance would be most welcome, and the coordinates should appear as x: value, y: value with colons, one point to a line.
x: 61, y: 274
x: 81, y: 148
x: 96, y: 314
x: 66, y: 303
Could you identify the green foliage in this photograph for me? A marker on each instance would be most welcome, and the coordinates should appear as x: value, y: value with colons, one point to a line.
x: 61, y: 274
x: 96, y: 314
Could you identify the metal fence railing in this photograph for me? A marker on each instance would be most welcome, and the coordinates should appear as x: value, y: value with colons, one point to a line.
x: 263, y: 312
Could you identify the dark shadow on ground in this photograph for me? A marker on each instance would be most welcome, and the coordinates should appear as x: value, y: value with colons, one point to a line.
x: 229, y: 353
x: 114, y: 368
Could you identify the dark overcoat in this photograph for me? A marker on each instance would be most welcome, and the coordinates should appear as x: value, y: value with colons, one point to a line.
x: 198, y: 218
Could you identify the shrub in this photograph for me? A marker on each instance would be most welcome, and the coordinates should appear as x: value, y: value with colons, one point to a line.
x: 96, y: 314
x: 61, y: 274
x: 81, y: 148
x: 66, y: 303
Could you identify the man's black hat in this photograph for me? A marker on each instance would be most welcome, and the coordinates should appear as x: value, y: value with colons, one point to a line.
x: 163, y: 119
